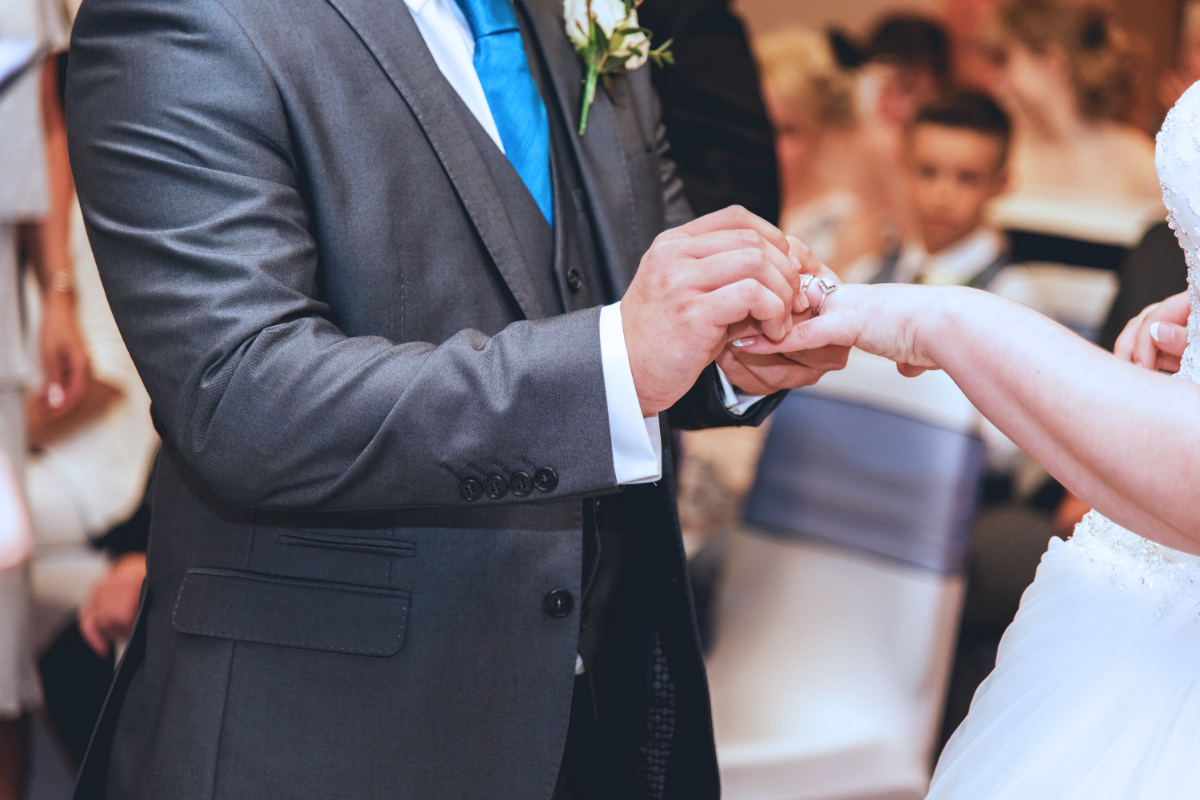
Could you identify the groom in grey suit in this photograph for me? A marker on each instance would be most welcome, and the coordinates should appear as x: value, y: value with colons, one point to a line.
x: 413, y: 526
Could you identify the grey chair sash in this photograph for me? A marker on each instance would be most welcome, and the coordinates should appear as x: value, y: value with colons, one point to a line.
x: 868, y: 479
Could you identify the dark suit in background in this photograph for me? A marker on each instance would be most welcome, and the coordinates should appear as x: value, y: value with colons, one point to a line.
x: 721, y: 139
x: 353, y: 320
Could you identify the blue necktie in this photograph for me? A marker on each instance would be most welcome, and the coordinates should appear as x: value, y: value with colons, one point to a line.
x: 512, y: 95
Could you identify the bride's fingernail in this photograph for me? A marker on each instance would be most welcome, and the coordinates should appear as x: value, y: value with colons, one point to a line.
x: 1158, y: 334
x: 743, y: 342
x: 55, y: 396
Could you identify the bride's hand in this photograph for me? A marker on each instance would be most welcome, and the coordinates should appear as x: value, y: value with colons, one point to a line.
x: 1156, y: 338
x: 770, y: 373
x: 887, y: 320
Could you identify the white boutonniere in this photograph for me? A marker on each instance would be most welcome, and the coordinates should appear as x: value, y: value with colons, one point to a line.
x: 608, y: 38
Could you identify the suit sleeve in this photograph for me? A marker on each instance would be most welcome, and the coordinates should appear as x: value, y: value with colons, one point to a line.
x: 195, y: 207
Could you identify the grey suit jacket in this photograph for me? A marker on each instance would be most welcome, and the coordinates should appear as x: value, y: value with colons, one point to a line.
x: 324, y: 294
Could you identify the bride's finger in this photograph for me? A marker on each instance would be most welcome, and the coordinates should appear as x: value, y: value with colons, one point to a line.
x: 1155, y: 336
x: 1170, y: 338
x: 1123, y: 348
x: 909, y: 371
x: 1171, y: 364
x: 808, y: 335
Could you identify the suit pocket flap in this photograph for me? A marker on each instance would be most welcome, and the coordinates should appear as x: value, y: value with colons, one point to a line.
x: 291, y: 612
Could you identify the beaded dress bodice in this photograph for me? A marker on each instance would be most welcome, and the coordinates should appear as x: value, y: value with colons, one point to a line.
x: 1132, y: 560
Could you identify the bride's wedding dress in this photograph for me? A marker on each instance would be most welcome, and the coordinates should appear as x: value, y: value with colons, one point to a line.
x: 1096, y: 691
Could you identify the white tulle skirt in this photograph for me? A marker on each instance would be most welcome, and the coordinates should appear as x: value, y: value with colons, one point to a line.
x: 1096, y: 691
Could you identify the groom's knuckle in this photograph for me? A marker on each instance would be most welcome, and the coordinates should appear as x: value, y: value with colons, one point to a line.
x: 753, y: 258
x: 746, y: 237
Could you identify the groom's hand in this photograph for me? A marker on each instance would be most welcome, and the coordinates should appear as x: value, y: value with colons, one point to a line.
x: 771, y: 373
x: 692, y: 284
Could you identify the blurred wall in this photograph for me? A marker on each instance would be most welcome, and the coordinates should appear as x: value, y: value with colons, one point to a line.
x: 853, y: 16
x: 1155, y: 27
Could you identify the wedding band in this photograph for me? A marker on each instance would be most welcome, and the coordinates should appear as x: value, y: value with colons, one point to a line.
x: 806, y: 281
x: 828, y: 287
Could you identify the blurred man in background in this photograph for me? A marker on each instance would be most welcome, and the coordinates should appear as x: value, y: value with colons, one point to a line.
x: 956, y: 158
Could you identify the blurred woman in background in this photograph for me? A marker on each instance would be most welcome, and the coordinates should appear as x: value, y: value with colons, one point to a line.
x: 1067, y: 74
x: 827, y: 199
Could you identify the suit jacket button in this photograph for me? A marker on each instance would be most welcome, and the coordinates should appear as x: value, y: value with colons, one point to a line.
x: 521, y: 484
x: 558, y: 603
x: 574, y: 279
x: 470, y: 490
x: 495, y: 487
x: 545, y: 479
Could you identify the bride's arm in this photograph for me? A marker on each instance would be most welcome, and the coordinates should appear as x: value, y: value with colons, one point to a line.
x: 1124, y: 439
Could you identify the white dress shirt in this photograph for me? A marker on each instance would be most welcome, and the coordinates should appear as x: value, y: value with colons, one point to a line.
x: 636, y: 440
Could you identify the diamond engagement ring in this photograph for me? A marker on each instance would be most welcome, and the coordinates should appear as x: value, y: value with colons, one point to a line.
x: 828, y: 287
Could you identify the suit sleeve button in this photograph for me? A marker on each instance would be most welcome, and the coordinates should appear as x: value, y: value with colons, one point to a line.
x: 545, y: 479
x: 495, y: 487
x: 558, y: 603
x: 521, y: 484
x: 470, y: 490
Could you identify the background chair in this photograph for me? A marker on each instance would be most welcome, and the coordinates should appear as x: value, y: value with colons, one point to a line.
x: 836, y: 613
x: 1071, y: 249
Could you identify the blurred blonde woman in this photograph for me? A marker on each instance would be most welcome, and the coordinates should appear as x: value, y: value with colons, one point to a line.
x: 1067, y: 73
x: 828, y: 199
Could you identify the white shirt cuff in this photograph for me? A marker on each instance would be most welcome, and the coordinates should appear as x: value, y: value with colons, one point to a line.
x: 636, y: 441
x: 737, y: 403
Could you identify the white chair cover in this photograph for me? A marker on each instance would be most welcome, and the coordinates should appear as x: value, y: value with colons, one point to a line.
x: 836, y: 615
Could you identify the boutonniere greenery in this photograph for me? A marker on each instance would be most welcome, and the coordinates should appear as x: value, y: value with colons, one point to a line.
x: 606, y: 35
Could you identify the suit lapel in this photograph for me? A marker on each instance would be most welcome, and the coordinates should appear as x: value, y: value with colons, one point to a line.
x: 387, y: 29
x: 599, y: 153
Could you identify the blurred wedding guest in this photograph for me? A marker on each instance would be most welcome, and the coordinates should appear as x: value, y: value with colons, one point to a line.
x: 956, y: 162
x: 86, y: 477
x: 811, y: 102
x: 906, y: 65
x: 35, y: 190
x: 87, y: 469
x: 1068, y: 75
x: 966, y: 22
x: 721, y: 139
x: 78, y: 666
x: 912, y: 55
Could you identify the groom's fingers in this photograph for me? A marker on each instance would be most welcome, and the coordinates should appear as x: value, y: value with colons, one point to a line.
x: 722, y: 269
x: 723, y: 241
x: 765, y: 375
x: 826, y: 359
x: 738, y: 244
x: 734, y: 302
x: 809, y: 263
x: 732, y: 218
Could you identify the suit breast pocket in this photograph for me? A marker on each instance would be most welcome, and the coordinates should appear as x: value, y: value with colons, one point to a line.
x: 291, y: 612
